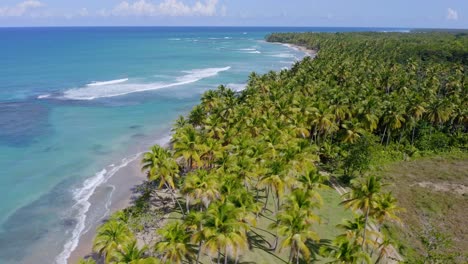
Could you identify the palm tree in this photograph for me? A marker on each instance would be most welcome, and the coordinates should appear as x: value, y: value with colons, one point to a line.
x: 180, y: 123
x: 312, y: 180
x: 160, y: 166
x: 223, y: 231
x: 386, y: 208
x: 346, y: 251
x: 385, y: 249
x: 129, y: 253
x: 200, y: 186
x: 111, y: 237
x: 175, y: 246
x: 295, y: 227
x: 187, y: 144
x: 194, y: 223
x: 363, y: 197
x: 197, y: 116
x: 354, y: 229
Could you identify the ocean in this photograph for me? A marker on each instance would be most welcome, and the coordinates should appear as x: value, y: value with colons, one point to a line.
x: 77, y: 105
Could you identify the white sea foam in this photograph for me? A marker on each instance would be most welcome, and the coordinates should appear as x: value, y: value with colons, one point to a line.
x: 117, y: 89
x: 107, y: 82
x: 254, y: 52
x: 237, y: 86
x: 248, y: 49
x: 291, y: 46
x: 283, y: 55
x: 176, y: 39
x: 82, y: 205
x: 43, y: 96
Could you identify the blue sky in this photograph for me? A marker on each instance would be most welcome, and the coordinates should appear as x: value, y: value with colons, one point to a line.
x: 351, y: 13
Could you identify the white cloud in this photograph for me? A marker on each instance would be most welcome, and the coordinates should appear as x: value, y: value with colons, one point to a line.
x: 20, y: 9
x: 452, y: 14
x: 166, y: 8
x: 83, y: 12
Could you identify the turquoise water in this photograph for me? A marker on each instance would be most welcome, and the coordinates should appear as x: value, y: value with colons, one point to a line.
x: 75, y: 101
x: 78, y: 104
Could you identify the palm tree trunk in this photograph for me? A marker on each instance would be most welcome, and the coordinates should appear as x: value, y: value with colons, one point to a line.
x: 199, y: 251
x: 297, y: 256
x: 291, y: 255
x: 187, y: 203
x: 219, y: 257
x: 225, y: 256
x: 383, y: 136
x: 365, y: 228
x: 412, y: 136
x: 388, y: 136
x: 266, y: 199
x: 174, y: 198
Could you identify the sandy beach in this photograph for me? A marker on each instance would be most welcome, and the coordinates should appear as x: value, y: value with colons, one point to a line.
x: 309, y: 52
x: 124, y: 181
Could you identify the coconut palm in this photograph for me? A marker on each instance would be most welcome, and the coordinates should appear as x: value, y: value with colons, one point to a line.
x: 346, y: 251
x: 363, y: 197
x: 161, y: 167
x: 129, y: 253
x: 295, y: 227
x: 175, y: 245
x: 223, y: 232
x: 194, y: 223
x: 111, y: 237
x: 386, y: 208
x: 200, y: 186
x: 187, y: 145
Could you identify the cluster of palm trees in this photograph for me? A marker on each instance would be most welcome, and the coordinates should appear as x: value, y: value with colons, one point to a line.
x: 362, y: 237
x: 237, y: 158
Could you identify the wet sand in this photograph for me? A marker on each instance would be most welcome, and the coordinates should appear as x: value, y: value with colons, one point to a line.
x: 124, y: 182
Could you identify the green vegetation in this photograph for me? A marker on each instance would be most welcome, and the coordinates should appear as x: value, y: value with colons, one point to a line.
x: 251, y: 169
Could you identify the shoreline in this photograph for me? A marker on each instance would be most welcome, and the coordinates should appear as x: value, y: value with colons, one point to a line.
x: 124, y: 198
x: 124, y: 182
x: 121, y: 196
x: 308, y: 52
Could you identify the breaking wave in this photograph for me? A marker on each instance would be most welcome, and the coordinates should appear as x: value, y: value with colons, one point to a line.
x: 114, y: 88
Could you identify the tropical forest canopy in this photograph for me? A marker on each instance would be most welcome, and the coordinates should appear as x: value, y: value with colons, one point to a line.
x: 268, y: 151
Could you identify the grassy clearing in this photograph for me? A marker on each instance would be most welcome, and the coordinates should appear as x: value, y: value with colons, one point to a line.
x: 331, y: 214
x: 433, y: 192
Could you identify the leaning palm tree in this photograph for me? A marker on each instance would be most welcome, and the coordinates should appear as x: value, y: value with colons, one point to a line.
x: 111, y: 237
x: 175, y: 246
x: 363, y: 197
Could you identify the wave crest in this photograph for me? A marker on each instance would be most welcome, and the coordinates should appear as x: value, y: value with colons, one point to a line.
x: 114, y: 88
x: 107, y: 82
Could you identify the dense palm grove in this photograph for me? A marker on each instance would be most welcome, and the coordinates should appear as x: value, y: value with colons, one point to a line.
x: 273, y: 147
